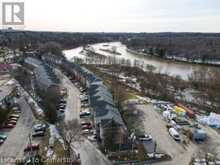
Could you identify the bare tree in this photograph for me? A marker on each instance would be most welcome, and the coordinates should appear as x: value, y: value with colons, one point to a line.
x: 70, y: 131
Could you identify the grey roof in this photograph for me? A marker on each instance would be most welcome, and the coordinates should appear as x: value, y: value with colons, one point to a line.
x: 43, y: 73
x: 108, y: 112
x: 33, y: 61
x: 100, y: 98
x: 103, y: 105
x: 5, y: 90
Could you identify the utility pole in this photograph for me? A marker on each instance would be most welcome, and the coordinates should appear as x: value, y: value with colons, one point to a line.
x: 31, y: 152
x: 155, y: 148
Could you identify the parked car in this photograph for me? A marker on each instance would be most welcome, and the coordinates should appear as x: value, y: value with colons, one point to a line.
x: 13, y: 119
x: 86, y: 131
x: 145, y: 137
x: 14, y: 115
x: 3, y: 136
x: 62, y: 110
x: 38, y: 134
x: 85, y: 114
x: 62, y: 101
x: 77, y: 84
x: 62, y: 106
x: 84, y: 105
x: 85, y: 99
x: 17, y: 111
x: 16, y: 108
x: 85, y: 123
x: 7, y: 126
x: 87, y: 127
x: 175, y: 135
x: 92, y: 138
x: 39, y: 127
x: 1, y: 141
x: 83, y: 90
x: 82, y: 95
x: 11, y: 122
x: 33, y: 147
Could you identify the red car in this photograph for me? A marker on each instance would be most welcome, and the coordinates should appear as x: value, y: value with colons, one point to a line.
x: 85, y: 123
x: 7, y: 126
x: 12, y: 122
x: 33, y: 147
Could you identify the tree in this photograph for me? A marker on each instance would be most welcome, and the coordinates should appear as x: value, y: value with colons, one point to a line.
x: 150, y: 68
x: 50, y: 99
x: 51, y: 47
x: 110, y: 135
x: 162, y: 52
x: 3, y: 115
x: 70, y: 131
x: 151, y: 51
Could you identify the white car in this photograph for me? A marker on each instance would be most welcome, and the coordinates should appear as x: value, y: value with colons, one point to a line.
x: 174, y: 133
x: 145, y: 137
x: 85, y: 131
x: 92, y: 138
x: 39, y: 127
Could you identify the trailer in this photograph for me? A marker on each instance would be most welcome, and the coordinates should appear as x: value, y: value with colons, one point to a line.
x: 188, y: 111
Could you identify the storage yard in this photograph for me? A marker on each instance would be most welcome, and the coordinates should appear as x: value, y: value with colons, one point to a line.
x: 196, y: 140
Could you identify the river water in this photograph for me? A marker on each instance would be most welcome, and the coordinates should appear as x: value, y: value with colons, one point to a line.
x: 172, y: 68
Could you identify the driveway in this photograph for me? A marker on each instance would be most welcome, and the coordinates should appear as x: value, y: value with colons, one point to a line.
x: 89, y: 154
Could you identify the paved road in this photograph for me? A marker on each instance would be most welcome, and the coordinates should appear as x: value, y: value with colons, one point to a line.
x: 73, y: 101
x: 89, y: 154
x: 73, y: 98
x: 18, y: 136
x: 156, y: 126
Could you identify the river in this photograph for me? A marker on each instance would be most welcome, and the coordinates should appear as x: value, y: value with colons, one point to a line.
x: 172, y: 68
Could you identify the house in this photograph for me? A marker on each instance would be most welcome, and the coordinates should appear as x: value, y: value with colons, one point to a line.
x: 101, y: 104
x: 53, y: 59
x: 7, y: 92
x: 5, y: 68
x: 105, y: 113
x: 44, y: 75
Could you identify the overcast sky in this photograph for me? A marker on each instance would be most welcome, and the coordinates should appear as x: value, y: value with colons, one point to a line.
x: 123, y: 15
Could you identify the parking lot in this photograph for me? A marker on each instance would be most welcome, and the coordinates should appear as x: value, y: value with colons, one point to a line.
x: 18, y: 136
x: 156, y: 126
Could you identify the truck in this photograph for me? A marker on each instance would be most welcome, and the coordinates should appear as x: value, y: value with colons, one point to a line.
x: 198, y: 135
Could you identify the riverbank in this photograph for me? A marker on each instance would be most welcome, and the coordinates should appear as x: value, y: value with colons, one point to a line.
x: 203, y: 96
x: 176, y: 59
x: 184, y: 70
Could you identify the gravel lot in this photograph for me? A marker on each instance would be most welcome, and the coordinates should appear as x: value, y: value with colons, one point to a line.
x: 156, y: 126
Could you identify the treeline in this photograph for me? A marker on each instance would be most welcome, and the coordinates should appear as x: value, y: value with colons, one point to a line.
x: 191, y: 46
x: 203, y: 85
x: 31, y: 39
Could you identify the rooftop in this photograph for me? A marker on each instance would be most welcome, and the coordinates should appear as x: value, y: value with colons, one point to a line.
x: 6, y: 87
